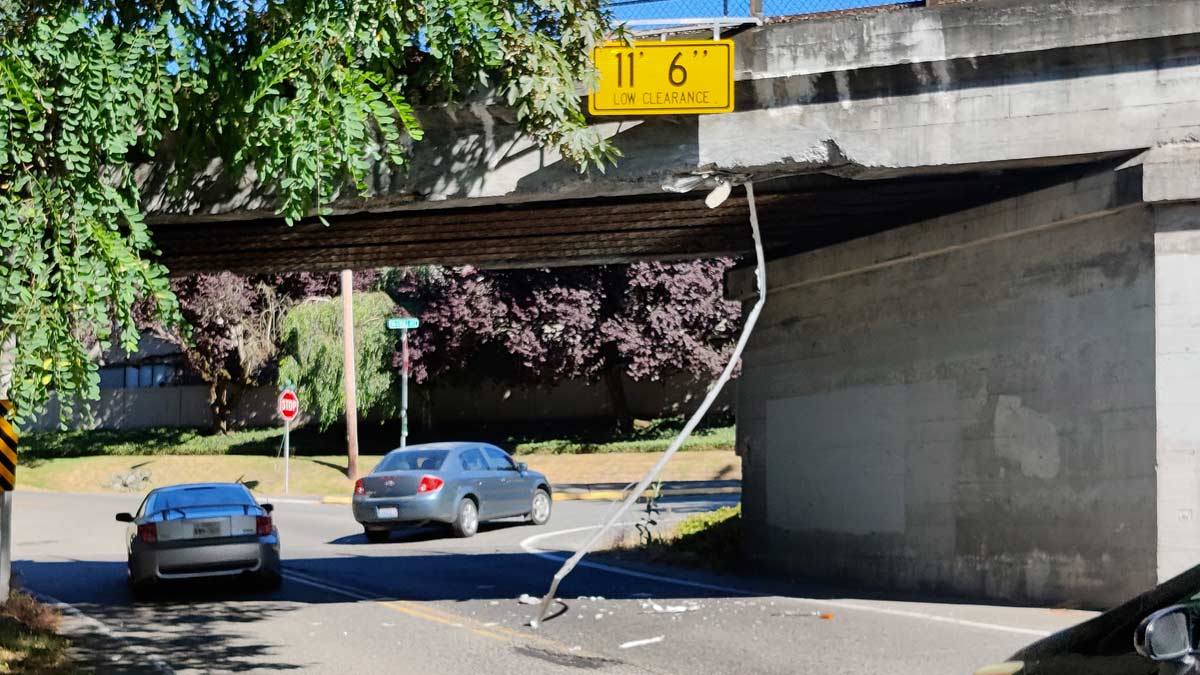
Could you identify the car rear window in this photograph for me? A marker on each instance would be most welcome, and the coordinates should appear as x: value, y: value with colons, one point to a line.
x: 413, y: 460
x: 200, y: 496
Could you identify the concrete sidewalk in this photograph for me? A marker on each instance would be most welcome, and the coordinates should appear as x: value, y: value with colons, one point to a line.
x: 600, y: 491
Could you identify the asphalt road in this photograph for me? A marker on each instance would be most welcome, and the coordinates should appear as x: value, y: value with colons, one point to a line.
x: 426, y: 602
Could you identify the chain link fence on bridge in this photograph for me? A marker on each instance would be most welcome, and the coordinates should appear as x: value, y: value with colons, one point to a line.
x: 650, y: 14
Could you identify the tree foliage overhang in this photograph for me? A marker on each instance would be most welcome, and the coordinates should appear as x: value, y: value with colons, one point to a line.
x: 308, y: 94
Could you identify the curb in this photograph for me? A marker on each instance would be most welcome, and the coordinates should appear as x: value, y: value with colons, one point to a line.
x: 598, y: 495
x: 614, y: 495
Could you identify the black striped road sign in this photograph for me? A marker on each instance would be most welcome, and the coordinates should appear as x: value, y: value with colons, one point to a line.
x: 8, y: 448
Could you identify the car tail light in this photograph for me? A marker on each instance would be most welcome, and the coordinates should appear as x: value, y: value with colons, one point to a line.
x: 148, y: 533
x: 263, y: 525
x: 429, y: 484
x: 358, y: 488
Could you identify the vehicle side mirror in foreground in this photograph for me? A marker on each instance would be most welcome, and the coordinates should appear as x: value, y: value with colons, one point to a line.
x: 267, y: 507
x: 124, y: 517
x: 522, y: 467
x: 1169, y: 634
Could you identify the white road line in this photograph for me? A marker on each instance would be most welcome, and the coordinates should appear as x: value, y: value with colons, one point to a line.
x: 528, y: 546
x: 158, y: 664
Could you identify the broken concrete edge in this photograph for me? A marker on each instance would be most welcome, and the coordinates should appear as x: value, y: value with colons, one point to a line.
x: 590, y: 495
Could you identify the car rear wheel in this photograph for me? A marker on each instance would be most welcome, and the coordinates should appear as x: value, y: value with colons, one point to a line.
x: 539, y: 508
x: 467, y: 522
x: 377, y: 536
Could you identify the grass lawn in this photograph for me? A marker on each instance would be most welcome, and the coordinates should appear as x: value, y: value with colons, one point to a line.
x: 702, y: 440
x: 29, y: 642
x: 137, y: 460
x: 559, y: 438
x: 326, y: 475
x: 711, y: 540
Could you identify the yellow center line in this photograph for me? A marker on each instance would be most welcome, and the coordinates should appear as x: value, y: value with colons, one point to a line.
x: 444, y: 617
x: 404, y: 608
x: 499, y: 633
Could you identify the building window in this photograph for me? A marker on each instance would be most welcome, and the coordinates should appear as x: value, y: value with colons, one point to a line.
x: 137, y: 377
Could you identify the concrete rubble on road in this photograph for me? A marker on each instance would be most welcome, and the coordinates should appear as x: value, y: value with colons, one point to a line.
x: 670, y: 609
x: 642, y: 643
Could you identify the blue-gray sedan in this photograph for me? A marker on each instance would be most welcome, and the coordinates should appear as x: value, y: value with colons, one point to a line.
x: 201, y: 530
x: 460, y: 484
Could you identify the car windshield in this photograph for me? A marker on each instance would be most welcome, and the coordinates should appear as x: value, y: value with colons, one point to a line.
x: 413, y: 460
x: 209, y: 495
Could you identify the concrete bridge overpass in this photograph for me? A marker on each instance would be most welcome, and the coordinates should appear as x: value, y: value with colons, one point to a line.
x: 974, y: 371
x: 885, y: 117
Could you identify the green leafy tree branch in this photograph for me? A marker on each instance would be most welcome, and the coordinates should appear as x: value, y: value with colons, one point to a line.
x: 308, y: 95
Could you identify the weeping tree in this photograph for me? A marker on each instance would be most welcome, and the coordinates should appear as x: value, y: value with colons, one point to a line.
x: 232, y: 328
x: 307, y: 97
x: 311, y: 356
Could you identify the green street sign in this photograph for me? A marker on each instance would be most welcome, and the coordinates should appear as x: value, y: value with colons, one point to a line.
x: 396, y: 323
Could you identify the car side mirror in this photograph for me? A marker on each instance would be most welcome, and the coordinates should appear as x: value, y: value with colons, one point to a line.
x: 267, y: 507
x: 1168, y: 634
x: 124, y: 517
x: 522, y: 467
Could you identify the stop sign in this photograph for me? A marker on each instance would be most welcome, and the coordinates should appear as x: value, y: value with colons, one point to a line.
x: 289, y: 405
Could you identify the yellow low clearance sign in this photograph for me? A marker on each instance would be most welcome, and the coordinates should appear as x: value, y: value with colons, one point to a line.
x: 663, y: 78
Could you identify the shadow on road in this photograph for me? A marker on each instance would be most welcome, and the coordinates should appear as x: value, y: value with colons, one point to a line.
x: 431, y: 532
x: 200, y: 626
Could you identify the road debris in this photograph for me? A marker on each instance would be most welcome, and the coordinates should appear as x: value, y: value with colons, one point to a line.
x: 669, y: 609
x: 816, y: 615
x: 527, y: 599
x: 642, y: 643
x: 599, y: 616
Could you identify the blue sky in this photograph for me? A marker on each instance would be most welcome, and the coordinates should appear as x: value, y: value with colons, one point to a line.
x: 674, y: 9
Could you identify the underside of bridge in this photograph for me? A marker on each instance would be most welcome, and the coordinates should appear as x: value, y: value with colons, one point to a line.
x: 796, y: 214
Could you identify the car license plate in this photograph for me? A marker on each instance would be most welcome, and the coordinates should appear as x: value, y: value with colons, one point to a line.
x: 202, y: 530
x: 387, y: 512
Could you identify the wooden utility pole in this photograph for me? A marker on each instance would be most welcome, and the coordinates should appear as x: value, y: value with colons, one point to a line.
x: 350, y: 374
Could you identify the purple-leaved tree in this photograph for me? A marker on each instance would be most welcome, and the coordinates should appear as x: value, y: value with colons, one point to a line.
x: 647, y: 321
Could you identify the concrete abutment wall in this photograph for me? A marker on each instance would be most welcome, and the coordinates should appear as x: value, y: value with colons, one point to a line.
x: 968, y: 405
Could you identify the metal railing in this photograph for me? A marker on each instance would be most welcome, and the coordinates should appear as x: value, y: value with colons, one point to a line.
x: 646, y: 15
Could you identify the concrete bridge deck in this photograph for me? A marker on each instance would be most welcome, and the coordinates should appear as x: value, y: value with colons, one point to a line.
x: 878, y: 119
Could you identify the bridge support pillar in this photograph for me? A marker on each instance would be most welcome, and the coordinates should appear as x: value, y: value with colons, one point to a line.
x: 1003, y: 402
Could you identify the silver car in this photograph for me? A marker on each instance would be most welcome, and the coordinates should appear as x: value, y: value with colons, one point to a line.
x: 460, y: 484
x: 201, y: 530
